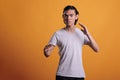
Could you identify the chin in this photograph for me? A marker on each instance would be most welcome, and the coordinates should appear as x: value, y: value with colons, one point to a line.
x: 69, y: 24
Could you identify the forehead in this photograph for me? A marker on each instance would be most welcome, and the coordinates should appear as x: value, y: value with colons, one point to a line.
x: 70, y: 11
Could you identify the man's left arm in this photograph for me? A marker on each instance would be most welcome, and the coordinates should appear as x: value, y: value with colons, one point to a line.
x: 92, y: 43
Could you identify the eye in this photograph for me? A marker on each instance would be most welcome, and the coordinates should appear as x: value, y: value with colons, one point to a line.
x: 71, y: 15
x: 65, y: 15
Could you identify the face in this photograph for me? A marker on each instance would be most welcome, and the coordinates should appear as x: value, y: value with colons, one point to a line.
x: 69, y: 17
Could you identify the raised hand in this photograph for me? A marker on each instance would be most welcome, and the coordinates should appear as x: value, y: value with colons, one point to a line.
x: 84, y: 28
x: 92, y: 43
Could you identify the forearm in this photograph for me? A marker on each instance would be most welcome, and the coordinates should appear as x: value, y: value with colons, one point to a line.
x: 92, y: 43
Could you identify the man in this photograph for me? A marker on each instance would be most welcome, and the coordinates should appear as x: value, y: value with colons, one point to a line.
x: 70, y: 40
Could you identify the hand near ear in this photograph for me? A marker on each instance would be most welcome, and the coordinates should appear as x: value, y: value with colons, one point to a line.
x: 84, y: 28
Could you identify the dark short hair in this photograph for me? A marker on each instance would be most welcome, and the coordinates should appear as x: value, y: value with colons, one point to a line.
x: 68, y: 7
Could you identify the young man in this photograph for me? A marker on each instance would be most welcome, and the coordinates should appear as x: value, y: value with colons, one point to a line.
x: 70, y: 40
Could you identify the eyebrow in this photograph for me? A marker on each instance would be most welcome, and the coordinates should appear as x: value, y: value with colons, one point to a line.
x: 68, y: 15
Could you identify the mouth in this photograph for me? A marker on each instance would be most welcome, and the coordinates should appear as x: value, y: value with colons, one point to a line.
x: 68, y: 21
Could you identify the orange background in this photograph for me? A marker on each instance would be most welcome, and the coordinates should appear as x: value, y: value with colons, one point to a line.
x: 27, y: 25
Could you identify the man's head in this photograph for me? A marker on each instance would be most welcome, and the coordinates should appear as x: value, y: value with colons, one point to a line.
x: 70, y: 15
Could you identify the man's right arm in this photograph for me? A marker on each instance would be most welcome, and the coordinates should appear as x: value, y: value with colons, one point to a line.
x: 47, y: 50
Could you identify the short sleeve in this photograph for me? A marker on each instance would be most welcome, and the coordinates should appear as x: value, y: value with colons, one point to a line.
x: 86, y: 40
x: 53, y: 39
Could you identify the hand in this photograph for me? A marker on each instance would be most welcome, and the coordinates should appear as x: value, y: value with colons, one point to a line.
x: 84, y: 30
x: 47, y: 48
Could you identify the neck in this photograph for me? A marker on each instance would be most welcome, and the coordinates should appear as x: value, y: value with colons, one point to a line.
x: 70, y: 28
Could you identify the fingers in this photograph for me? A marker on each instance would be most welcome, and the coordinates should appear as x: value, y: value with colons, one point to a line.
x: 48, y: 48
x: 83, y: 26
x: 84, y: 30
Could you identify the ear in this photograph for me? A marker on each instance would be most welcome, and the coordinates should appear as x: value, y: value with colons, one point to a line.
x: 76, y: 17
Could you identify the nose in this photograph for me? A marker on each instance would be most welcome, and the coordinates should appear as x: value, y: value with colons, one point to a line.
x: 68, y: 17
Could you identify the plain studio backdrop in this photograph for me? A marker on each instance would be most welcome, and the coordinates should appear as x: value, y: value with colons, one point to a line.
x: 27, y: 25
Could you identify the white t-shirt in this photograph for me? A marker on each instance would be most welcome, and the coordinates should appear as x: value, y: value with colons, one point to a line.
x: 70, y: 51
